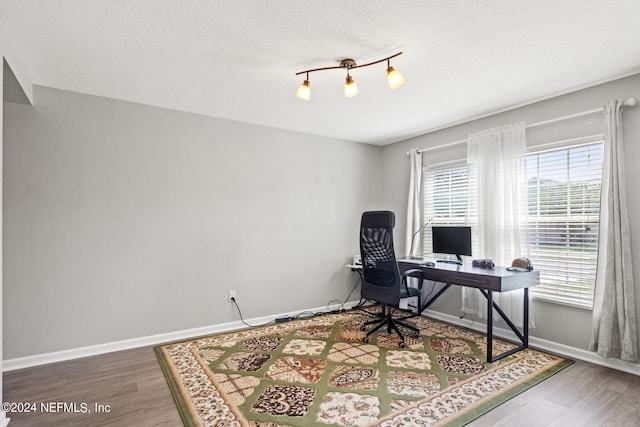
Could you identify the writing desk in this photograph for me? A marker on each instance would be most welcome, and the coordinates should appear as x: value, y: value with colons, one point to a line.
x: 486, y: 281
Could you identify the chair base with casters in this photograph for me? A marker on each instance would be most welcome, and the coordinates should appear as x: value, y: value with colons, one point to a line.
x: 391, y: 324
x: 385, y: 318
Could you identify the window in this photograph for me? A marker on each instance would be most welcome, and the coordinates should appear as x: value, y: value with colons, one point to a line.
x: 563, y: 204
x: 564, y: 207
x: 447, y: 201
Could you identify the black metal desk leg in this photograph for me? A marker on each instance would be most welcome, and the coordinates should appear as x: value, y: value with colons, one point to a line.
x: 525, y: 341
x: 489, y: 296
x: 524, y: 337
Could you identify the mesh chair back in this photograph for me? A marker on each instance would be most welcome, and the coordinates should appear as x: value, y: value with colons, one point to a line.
x: 380, y: 268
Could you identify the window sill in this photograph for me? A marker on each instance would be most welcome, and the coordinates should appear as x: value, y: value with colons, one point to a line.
x: 560, y: 302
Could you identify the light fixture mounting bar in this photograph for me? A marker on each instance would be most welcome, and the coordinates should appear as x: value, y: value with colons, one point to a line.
x: 349, y: 64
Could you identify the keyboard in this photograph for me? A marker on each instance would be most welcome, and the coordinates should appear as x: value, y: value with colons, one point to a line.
x: 419, y: 262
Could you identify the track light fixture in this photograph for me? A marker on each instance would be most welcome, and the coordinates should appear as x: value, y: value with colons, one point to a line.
x: 304, y: 91
x: 394, y: 78
x: 350, y: 87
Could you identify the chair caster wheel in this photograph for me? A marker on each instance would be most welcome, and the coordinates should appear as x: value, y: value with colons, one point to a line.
x: 362, y: 328
x: 416, y: 336
x: 365, y: 339
x: 401, y: 345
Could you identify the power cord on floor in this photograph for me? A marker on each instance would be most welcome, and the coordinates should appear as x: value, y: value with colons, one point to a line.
x: 341, y: 308
x: 351, y: 291
x: 303, y: 314
x: 233, y: 300
x: 433, y: 288
x: 464, y: 314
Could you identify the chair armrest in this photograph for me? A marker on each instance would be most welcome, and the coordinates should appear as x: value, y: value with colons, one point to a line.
x: 414, y: 272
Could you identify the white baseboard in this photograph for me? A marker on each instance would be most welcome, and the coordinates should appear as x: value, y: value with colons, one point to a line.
x: 76, y: 353
x: 60, y: 356
x: 541, y: 344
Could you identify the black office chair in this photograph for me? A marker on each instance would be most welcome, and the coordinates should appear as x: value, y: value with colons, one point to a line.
x: 382, y: 281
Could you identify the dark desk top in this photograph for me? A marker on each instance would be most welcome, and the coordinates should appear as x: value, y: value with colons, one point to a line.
x: 499, y: 279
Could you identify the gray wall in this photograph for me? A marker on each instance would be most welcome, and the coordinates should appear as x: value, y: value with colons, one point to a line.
x: 15, y: 86
x: 124, y: 220
x: 557, y: 323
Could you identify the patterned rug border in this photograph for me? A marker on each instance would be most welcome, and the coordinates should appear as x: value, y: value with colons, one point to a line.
x: 477, y: 409
x: 491, y: 403
x: 174, y: 387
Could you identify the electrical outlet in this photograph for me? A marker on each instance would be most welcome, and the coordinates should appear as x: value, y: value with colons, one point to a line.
x: 231, y: 296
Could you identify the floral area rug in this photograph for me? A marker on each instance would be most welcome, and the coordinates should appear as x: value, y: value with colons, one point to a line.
x: 318, y: 372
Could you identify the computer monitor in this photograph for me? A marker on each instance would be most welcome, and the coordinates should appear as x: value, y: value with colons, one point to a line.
x: 451, y: 240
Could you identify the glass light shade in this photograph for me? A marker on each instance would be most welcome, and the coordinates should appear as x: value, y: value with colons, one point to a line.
x: 350, y: 88
x: 304, y: 91
x: 394, y: 78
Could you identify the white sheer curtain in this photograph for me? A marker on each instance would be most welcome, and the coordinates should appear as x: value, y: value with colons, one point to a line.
x: 496, y: 158
x: 414, y: 220
x: 614, y: 329
x: 413, y: 242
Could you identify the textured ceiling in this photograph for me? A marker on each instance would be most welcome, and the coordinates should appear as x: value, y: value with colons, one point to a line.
x: 236, y: 59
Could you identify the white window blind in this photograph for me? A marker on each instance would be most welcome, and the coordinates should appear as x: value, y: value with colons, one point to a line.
x: 447, y: 190
x: 564, y: 206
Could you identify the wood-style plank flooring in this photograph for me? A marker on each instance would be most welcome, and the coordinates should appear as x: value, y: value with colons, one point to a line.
x: 130, y: 382
x: 133, y: 386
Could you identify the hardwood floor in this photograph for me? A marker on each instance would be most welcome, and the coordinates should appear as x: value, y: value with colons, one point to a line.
x: 130, y: 382
x: 133, y: 386
x: 582, y: 394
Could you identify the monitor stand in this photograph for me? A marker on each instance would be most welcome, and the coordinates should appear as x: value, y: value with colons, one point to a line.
x: 451, y: 261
